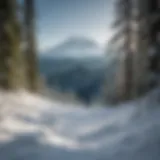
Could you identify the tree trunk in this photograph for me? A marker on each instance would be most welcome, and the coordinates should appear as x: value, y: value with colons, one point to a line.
x: 31, y: 57
x: 124, y: 80
x: 11, y: 59
x: 141, y: 47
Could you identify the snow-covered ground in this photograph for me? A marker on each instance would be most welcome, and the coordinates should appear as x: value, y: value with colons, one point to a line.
x: 34, y: 128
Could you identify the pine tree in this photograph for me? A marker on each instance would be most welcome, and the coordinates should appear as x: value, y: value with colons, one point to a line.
x: 132, y: 19
x: 11, y: 59
x: 31, y: 57
x: 140, y: 47
x: 123, y: 9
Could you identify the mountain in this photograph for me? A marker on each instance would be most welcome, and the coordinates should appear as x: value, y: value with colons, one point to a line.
x: 75, y: 47
x: 78, y: 66
x: 83, y: 77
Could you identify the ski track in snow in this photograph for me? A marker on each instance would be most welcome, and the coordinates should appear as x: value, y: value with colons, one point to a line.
x: 33, y: 128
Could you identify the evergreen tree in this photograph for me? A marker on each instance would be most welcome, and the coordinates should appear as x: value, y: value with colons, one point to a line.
x: 141, y: 42
x: 133, y: 17
x: 11, y: 69
x: 123, y: 9
x: 31, y: 57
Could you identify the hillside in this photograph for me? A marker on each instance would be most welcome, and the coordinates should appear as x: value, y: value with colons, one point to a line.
x: 34, y: 128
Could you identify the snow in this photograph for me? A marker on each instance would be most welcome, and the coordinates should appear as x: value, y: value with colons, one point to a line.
x: 35, y: 128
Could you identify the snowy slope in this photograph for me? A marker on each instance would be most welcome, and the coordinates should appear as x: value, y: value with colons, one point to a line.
x: 33, y: 128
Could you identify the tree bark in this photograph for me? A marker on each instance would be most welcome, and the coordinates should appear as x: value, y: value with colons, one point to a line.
x: 11, y: 59
x: 31, y: 53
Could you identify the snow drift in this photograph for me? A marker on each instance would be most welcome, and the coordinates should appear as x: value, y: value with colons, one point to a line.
x: 34, y: 128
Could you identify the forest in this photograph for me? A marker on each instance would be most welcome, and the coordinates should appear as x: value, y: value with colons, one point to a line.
x: 78, y: 100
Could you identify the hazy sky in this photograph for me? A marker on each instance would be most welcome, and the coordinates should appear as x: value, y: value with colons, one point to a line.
x: 60, y: 19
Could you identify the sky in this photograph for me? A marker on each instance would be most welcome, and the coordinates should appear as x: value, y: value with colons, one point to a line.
x: 58, y: 20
